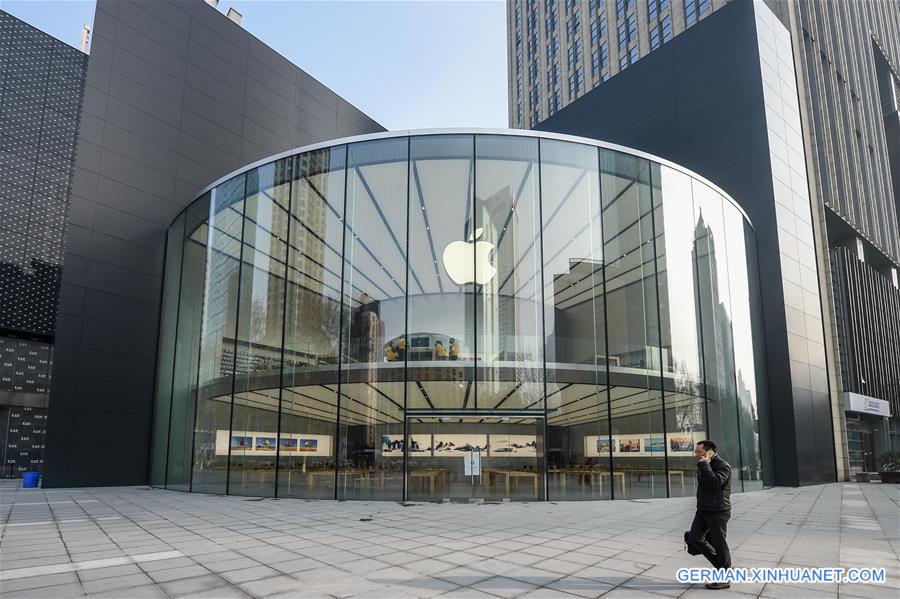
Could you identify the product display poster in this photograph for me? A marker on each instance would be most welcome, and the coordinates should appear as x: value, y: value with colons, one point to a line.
x: 682, y: 444
x: 642, y: 445
x: 393, y: 444
x: 595, y: 446
x: 629, y: 444
x: 241, y: 443
x: 458, y: 445
x: 515, y: 446
x: 264, y: 444
x: 654, y: 445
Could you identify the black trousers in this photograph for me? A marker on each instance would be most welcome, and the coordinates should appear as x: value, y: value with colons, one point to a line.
x: 707, y: 536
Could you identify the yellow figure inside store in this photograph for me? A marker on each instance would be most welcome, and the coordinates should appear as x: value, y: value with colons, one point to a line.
x: 391, y: 354
x: 440, y: 352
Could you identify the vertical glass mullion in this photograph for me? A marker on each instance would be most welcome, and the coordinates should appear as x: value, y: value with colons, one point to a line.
x: 290, y: 175
x: 654, y: 198
x: 543, y: 311
x: 405, y: 467
x: 237, y: 320
x: 609, y: 419
x: 340, y: 357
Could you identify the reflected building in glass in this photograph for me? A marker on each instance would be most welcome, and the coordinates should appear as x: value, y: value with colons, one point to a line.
x: 459, y: 315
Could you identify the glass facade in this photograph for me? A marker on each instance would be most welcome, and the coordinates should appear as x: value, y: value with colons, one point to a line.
x: 459, y: 316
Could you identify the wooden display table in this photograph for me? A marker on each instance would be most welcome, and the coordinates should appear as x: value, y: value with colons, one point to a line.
x: 563, y: 473
x: 678, y: 473
x: 433, y: 476
x: 515, y: 474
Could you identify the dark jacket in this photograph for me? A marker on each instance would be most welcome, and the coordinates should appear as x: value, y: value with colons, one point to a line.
x: 714, y: 486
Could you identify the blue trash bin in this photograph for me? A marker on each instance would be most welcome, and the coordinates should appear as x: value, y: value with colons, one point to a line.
x: 30, y: 480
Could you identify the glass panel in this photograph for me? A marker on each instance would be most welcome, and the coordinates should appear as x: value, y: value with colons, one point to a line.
x: 312, y: 327
x: 716, y: 321
x: 633, y: 327
x: 508, y: 303
x: 744, y: 306
x: 465, y: 459
x: 184, y: 380
x: 374, y: 300
x: 441, y: 348
x: 679, y: 325
x: 260, y: 322
x: 213, y: 440
x: 574, y: 323
x: 166, y: 355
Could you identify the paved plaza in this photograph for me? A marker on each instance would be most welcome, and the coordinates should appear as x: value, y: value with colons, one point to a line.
x: 137, y: 542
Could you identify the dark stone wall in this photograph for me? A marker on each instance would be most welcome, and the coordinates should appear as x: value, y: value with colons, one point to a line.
x: 721, y: 99
x: 177, y: 96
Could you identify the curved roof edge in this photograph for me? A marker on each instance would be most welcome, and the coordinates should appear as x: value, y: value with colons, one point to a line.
x: 470, y: 131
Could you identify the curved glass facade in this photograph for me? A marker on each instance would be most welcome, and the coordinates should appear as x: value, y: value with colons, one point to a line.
x: 466, y: 315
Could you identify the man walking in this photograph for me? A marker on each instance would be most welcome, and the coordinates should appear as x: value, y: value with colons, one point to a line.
x: 707, y: 534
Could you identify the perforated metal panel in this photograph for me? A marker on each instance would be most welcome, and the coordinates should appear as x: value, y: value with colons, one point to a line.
x: 40, y: 102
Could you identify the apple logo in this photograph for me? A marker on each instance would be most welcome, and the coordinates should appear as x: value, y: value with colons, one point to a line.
x: 460, y: 258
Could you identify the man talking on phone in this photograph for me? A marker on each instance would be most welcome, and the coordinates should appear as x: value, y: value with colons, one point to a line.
x: 707, y: 534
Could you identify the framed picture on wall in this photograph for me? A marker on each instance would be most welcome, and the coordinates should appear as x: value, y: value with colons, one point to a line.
x: 654, y: 445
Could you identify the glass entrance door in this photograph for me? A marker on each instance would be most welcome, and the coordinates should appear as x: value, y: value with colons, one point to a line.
x: 470, y: 458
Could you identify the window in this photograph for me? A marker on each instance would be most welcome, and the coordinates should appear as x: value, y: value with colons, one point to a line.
x: 623, y: 38
x: 690, y: 12
x: 579, y: 80
x: 579, y: 53
x: 552, y: 76
x: 553, y: 103
x: 654, y: 37
x: 602, y: 20
x: 666, y: 29
x: 632, y: 27
x: 620, y: 9
x: 652, y: 10
x: 604, y: 55
x: 594, y: 31
x: 623, y: 62
x: 633, y: 55
x: 595, y: 63
x: 663, y: 5
x: 703, y: 6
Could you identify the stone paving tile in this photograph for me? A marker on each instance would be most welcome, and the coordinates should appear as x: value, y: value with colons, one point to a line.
x: 37, y: 582
x: 64, y: 591
x: 235, y: 547
x: 248, y: 574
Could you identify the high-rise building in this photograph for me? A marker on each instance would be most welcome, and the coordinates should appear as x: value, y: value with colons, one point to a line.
x: 796, y: 102
x: 560, y: 49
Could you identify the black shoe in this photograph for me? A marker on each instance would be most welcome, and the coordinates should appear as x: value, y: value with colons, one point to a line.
x: 718, y: 586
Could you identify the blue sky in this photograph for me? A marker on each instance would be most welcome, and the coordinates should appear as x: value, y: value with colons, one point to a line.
x: 408, y: 65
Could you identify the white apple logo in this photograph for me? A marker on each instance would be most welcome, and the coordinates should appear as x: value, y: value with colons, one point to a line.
x: 461, y: 263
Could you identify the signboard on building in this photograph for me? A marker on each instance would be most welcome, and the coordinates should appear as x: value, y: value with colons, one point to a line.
x: 854, y: 402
